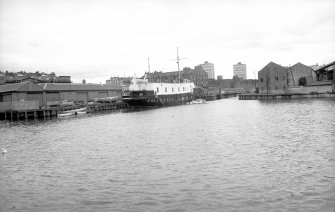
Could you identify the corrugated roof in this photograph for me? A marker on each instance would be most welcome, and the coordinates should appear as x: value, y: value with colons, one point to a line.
x: 78, y: 87
x: 11, y: 87
x: 271, y: 65
x: 300, y: 64
x: 23, y: 86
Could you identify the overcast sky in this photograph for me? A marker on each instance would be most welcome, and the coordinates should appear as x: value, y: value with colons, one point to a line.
x: 96, y: 39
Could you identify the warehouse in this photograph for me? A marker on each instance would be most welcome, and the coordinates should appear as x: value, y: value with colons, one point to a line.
x: 51, y: 92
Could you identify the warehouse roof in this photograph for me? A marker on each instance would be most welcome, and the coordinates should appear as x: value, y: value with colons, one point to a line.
x: 17, y: 87
x: 79, y: 87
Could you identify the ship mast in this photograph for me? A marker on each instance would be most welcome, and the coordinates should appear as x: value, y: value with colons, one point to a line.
x: 149, y: 69
x: 178, y: 59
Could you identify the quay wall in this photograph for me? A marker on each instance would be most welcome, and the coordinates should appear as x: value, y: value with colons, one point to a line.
x: 284, y: 96
x: 311, y: 89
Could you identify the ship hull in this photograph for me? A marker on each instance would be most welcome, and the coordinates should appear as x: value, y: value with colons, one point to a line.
x: 158, y: 101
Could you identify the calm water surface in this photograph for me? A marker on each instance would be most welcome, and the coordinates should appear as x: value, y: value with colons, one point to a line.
x: 226, y: 155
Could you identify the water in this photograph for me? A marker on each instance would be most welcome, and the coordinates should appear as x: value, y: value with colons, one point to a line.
x: 226, y: 155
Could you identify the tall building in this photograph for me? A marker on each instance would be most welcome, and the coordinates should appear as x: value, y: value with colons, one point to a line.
x: 209, y: 68
x: 240, y: 70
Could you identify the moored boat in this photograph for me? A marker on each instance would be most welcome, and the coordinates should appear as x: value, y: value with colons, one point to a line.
x: 143, y: 93
x: 148, y: 94
x: 80, y: 111
x: 198, y: 101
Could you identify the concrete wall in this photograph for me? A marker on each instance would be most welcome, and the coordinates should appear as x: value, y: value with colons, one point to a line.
x: 311, y: 89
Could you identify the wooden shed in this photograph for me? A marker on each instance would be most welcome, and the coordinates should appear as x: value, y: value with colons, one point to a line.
x: 25, y: 91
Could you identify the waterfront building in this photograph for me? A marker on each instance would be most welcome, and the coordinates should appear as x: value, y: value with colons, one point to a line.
x: 209, y: 69
x: 48, y: 93
x: 300, y: 75
x: 240, y: 70
x: 299, y: 78
x: 272, y: 79
x: 197, y: 75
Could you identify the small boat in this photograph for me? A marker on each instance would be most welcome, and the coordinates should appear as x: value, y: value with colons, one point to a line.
x: 198, y: 101
x: 3, y: 150
x: 80, y: 111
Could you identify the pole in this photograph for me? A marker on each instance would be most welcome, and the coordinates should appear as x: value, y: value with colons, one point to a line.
x: 255, y: 79
x: 178, y: 64
x: 149, y: 69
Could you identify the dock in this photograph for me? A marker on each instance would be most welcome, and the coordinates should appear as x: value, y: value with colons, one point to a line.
x: 284, y: 96
x: 219, y: 96
x: 18, y: 114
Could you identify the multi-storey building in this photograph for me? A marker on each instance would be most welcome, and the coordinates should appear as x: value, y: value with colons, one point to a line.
x: 209, y: 68
x: 197, y: 75
x: 240, y: 70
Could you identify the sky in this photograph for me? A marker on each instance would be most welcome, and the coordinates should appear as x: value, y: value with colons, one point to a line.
x: 98, y: 39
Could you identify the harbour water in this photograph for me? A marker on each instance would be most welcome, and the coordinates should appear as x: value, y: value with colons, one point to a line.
x: 225, y: 155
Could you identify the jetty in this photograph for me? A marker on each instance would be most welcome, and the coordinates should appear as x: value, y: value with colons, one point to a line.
x: 15, y: 111
x: 284, y: 96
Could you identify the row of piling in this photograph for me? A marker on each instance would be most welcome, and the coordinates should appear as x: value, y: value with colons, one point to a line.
x: 16, y: 115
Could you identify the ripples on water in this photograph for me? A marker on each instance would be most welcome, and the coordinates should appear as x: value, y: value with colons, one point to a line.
x: 226, y: 155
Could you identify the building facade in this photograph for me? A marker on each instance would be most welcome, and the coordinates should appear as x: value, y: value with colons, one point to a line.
x: 119, y: 81
x: 276, y: 79
x: 272, y: 79
x: 197, y: 75
x: 209, y: 69
x: 300, y: 75
x: 48, y: 93
x: 240, y: 70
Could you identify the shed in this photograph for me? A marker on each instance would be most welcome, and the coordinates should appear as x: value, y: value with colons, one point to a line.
x: 27, y: 91
x: 79, y: 92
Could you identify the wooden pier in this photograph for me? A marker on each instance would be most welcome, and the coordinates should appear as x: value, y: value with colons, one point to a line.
x: 17, y: 115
